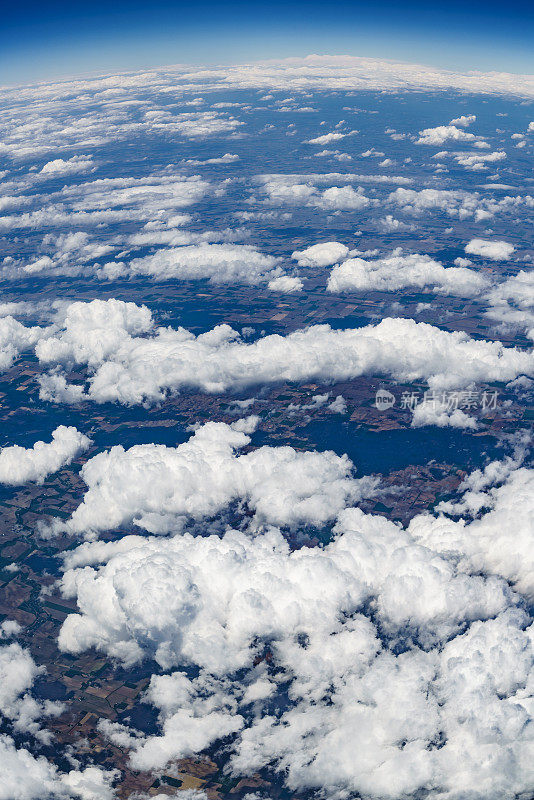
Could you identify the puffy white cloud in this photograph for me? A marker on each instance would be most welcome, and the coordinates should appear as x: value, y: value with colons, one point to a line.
x: 18, y: 671
x: 9, y: 628
x: 91, y: 332
x: 29, y: 777
x: 321, y: 255
x: 190, y: 720
x: 444, y: 133
x: 478, y: 161
x: 56, y: 216
x: 227, y: 158
x: 150, y: 199
x: 7, y: 202
x: 500, y: 541
x: 513, y: 318
x: 391, y: 225
x: 486, y: 688
x: 130, y: 368
x: 257, y: 582
x: 342, y: 198
x: 19, y: 465
x: 464, y: 121
x: 400, y: 271
x: 512, y: 301
x: 316, y: 401
x: 457, y: 203
x: 493, y: 249
x: 287, y: 189
x: 474, y: 486
x: 440, y: 413
x: 15, y: 338
x: 219, y: 598
x: 199, y: 125
x: 215, y: 602
x: 91, y: 783
x: 71, y: 251
x: 157, y: 488
x: 286, y: 284
x: 326, y: 138
x: 220, y: 263
x: 453, y: 202
x: 372, y: 153
x: 150, y: 193
x: 55, y: 389
x: 69, y: 166
x: 338, y: 405
x: 304, y: 190
x: 24, y: 776
x: 337, y: 154
x: 467, y: 734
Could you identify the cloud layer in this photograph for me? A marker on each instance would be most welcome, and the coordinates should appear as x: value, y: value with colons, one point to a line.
x: 378, y: 620
x: 129, y: 368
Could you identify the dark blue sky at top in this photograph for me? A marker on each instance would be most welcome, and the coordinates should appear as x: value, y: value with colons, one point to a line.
x: 40, y: 40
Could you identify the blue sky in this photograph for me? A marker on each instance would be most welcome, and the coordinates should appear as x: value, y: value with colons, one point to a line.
x: 40, y: 40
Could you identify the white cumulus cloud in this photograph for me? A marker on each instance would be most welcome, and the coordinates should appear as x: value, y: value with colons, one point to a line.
x: 323, y: 254
x: 444, y: 133
x: 131, y: 368
x: 19, y: 465
x: 157, y: 488
x: 401, y: 271
x: 493, y: 249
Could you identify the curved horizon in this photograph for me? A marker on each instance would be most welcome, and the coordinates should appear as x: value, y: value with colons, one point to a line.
x: 61, y: 40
